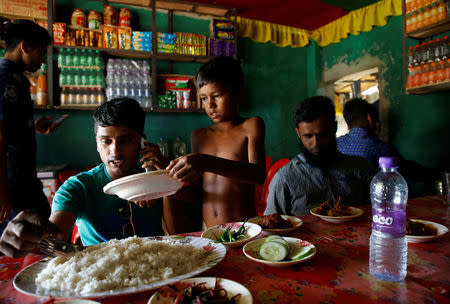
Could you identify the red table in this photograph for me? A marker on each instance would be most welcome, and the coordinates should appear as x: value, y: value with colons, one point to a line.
x: 337, y: 274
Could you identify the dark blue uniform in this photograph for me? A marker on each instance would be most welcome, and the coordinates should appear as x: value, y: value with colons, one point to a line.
x: 16, y: 112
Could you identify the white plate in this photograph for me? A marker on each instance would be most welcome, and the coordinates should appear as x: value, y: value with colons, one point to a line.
x: 253, y: 230
x: 295, y: 222
x: 422, y: 239
x: 167, y: 295
x: 24, y: 281
x: 339, y: 219
x: 143, y: 186
x: 251, y: 250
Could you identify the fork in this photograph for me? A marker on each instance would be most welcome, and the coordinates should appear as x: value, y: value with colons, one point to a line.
x: 55, y: 247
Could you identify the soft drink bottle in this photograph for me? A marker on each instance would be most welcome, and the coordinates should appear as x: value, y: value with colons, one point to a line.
x: 388, y: 246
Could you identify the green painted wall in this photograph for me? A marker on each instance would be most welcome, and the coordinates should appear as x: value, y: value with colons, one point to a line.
x: 417, y: 125
x: 275, y: 83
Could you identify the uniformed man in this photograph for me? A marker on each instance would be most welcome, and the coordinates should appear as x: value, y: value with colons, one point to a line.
x: 20, y: 189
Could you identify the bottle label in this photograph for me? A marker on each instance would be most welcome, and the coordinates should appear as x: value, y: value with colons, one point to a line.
x: 389, y: 222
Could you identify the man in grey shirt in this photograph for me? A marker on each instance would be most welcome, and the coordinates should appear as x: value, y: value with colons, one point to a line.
x: 320, y: 172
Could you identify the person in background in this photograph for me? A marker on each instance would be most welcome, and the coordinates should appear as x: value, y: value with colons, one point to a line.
x: 320, y: 172
x: 362, y: 139
x: 118, y: 126
x: 20, y: 189
x: 228, y: 157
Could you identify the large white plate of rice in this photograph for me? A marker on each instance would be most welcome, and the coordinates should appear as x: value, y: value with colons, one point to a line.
x: 120, y: 267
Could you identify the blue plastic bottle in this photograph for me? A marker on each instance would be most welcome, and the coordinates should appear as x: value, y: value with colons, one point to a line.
x: 388, y: 246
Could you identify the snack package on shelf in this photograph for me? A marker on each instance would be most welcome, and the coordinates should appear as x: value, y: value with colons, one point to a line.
x: 76, y: 36
x: 141, y: 41
x: 190, y: 44
x: 219, y: 47
x: 110, y: 37
x: 59, y: 31
x: 179, y: 93
x: 222, y: 29
x: 124, y: 35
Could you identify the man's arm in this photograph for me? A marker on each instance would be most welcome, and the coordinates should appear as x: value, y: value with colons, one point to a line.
x: 279, y: 198
x: 190, y: 167
x: 5, y: 203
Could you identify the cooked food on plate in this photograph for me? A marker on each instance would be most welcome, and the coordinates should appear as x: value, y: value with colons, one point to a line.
x: 419, y: 229
x: 119, y: 264
x: 274, y: 221
x: 200, y: 293
x: 329, y: 209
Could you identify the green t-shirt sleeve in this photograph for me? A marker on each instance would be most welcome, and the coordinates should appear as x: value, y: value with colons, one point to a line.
x: 69, y: 196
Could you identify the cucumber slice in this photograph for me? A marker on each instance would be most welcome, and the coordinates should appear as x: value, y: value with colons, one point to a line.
x: 273, y: 251
x: 298, y: 253
x: 276, y: 238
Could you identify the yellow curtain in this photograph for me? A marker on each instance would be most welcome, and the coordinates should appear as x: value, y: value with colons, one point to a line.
x: 360, y: 20
x: 280, y: 35
x: 356, y: 21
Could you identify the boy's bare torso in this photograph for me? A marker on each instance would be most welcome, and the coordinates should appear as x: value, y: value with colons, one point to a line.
x: 225, y: 199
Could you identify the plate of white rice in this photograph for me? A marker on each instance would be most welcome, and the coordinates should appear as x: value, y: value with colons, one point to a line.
x: 120, y: 267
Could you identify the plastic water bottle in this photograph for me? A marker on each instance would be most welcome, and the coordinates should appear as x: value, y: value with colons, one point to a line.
x: 163, y: 147
x: 388, y: 246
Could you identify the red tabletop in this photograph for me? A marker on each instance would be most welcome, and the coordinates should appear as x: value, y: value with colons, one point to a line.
x: 339, y: 272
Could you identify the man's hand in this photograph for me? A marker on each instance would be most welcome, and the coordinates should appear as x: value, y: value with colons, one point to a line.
x: 45, y: 125
x: 187, y: 168
x: 5, y: 210
x: 152, y: 157
x: 24, y: 232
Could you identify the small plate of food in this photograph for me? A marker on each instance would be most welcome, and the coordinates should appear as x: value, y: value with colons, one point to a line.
x: 277, y: 251
x: 336, y: 213
x: 276, y: 223
x: 208, y: 289
x: 233, y: 234
x: 420, y: 231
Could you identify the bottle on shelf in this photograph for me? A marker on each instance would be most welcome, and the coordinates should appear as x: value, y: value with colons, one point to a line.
x: 64, y: 96
x: 68, y: 59
x: 388, y: 246
x: 83, y: 59
x: 41, y: 87
x: 441, y: 11
x: 179, y: 148
x: 163, y: 147
x: 61, y: 58
x: 76, y: 58
x: 90, y: 60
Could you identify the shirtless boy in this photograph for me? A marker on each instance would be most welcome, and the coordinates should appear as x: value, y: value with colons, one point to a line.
x: 227, y: 157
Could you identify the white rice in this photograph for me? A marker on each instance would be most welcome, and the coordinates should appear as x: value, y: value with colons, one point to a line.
x: 119, y: 264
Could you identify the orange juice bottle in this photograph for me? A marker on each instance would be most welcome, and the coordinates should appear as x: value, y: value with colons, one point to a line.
x: 434, y: 16
x: 427, y: 16
x: 419, y: 19
x: 408, y: 6
x: 417, y: 79
x: 433, y: 74
x: 41, y: 88
x: 413, y: 23
x: 441, y: 11
x: 447, y: 71
x: 410, y: 77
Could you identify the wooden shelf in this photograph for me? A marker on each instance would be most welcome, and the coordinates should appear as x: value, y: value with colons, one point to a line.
x: 81, y: 107
x: 429, y: 88
x: 179, y: 111
x: 430, y: 30
x: 91, y: 107
x: 183, y: 58
x: 42, y: 107
x: 181, y: 6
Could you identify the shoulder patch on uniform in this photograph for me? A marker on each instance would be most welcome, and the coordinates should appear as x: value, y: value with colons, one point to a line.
x: 11, y: 93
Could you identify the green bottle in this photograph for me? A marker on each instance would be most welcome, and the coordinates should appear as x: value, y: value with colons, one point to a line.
x: 76, y: 58
x: 90, y: 61
x: 83, y: 61
x: 69, y: 58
